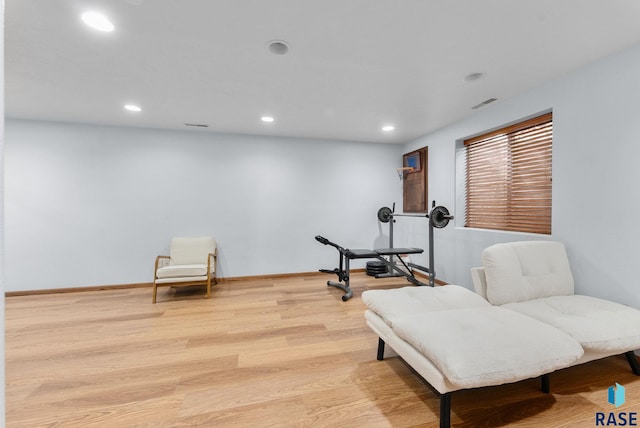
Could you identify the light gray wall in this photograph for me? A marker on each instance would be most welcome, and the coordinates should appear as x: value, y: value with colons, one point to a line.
x: 92, y: 205
x: 596, y: 178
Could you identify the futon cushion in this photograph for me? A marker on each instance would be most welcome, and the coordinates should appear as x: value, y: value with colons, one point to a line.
x: 521, y: 271
x: 174, y: 271
x: 599, y: 325
x: 396, y: 303
x: 483, y: 346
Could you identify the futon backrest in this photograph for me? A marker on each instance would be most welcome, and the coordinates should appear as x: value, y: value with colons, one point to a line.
x: 526, y: 270
x: 191, y: 251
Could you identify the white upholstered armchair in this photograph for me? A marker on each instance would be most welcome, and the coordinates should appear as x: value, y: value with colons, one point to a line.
x: 191, y: 261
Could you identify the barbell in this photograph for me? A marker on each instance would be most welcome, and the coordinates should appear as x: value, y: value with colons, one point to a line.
x: 438, y: 216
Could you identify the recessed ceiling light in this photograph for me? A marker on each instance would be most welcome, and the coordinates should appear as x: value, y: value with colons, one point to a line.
x: 388, y: 128
x: 472, y: 77
x: 267, y: 119
x: 97, y: 21
x: 278, y: 47
x: 132, y: 107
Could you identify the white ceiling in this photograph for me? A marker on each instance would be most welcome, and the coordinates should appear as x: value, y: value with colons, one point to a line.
x: 353, y: 65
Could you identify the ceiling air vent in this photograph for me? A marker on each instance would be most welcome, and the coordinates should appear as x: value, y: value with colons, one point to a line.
x: 197, y: 125
x: 484, y: 103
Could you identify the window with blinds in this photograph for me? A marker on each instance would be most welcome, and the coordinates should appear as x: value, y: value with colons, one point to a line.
x: 508, y: 185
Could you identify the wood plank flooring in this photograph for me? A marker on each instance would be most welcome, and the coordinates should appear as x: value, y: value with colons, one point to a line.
x: 260, y: 353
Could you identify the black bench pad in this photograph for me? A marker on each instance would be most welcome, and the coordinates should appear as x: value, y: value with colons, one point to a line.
x: 360, y: 253
x: 397, y: 251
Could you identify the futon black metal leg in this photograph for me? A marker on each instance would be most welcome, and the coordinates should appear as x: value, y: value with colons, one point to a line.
x: 633, y: 362
x: 380, y: 349
x: 544, y: 383
x: 445, y: 410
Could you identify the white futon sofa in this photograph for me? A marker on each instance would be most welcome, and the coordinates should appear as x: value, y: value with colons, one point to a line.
x: 523, y: 323
x: 534, y: 278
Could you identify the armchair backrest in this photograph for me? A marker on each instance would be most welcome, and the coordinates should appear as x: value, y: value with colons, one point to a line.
x: 526, y: 270
x: 191, y: 251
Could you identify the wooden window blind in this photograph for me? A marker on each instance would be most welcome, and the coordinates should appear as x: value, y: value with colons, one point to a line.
x: 508, y: 184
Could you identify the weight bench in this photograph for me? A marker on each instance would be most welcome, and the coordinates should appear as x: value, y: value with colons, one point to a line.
x: 346, y: 255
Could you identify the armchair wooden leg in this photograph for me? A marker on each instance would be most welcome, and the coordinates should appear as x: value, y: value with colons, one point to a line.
x: 208, y: 287
x: 155, y: 291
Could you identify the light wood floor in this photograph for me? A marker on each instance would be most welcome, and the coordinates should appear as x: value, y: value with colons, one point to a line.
x: 261, y: 353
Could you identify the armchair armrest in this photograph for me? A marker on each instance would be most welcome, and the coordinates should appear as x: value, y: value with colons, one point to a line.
x: 213, y: 256
x: 158, y: 261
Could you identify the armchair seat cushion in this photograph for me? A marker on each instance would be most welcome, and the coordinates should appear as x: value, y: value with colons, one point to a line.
x: 177, y: 271
x: 183, y: 279
x: 599, y: 325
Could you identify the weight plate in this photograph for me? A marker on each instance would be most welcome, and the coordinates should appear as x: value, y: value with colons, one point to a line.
x: 439, y: 217
x: 384, y: 214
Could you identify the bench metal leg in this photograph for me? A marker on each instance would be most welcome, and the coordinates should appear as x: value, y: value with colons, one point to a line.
x: 344, y: 287
x: 380, y: 356
x: 344, y: 276
x: 395, y: 271
x: 445, y: 410
x: 633, y: 362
